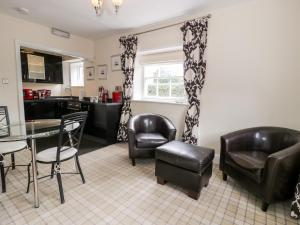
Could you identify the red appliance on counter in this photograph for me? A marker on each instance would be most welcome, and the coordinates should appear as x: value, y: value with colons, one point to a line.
x: 30, y: 94
x: 117, y: 96
x: 27, y: 94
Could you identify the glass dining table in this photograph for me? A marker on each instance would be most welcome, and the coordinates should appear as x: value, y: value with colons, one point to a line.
x: 31, y: 131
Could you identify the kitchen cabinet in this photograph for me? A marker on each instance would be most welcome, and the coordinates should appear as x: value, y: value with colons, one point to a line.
x: 53, y: 69
x: 102, y: 122
x: 44, y: 110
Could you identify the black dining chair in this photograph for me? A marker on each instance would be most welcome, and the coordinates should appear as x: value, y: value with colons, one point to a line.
x: 8, y: 148
x: 71, y: 131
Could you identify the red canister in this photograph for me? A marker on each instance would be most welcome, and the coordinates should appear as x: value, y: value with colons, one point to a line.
x: 117, y: 96
x: 27, y: 94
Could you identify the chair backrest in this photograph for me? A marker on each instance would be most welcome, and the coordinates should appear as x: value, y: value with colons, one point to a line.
x: 4, y: 122
x: 148, y: 123
x: 274, y: 139
x: 270, y: 139
x: 72, y: 126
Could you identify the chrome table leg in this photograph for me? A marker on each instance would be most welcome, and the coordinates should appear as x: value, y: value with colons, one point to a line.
x: 34, y: 173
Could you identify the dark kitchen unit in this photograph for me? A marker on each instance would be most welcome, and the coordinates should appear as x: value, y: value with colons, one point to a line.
x: 52, y: 67
x: 103, y: 118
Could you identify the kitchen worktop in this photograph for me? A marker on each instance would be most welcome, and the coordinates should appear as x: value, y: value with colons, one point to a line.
x: 67, y: 99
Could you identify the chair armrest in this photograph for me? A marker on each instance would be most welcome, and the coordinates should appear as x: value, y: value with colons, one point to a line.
x: 131, y: 124
x: 168, y: 129
x: 281, y: 172
x: 131, y: 142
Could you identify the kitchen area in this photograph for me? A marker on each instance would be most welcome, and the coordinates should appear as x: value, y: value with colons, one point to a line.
x: 53, y: 85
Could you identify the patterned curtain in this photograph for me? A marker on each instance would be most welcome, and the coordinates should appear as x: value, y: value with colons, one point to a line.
x: 195, y: 41
x: 129, y: 47
x: 295, y: 208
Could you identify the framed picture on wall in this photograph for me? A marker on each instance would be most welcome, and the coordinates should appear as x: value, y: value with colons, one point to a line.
x: 116, y: 63
x: 102, y: 72
x: 90, y: 71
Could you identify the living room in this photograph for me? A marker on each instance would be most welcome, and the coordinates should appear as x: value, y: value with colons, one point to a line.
x: 248, y: 78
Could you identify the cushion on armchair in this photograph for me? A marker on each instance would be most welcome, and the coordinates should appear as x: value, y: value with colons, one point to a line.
x: 250, y: 163
x: 150, y: 140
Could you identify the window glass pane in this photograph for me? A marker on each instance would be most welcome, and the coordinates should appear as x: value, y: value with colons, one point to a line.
x: 164, y: 90
x: 150, y: 87
x: 164, y: 81
x: 77, y: 74
x: 151, y: 90
x: 177, y: 91
x: 151, y: 71
x: 172, y: 70
x: 177, y: 79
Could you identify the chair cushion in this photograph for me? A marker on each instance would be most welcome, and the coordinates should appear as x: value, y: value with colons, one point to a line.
x: 10, y: 147
x: 251, y: 162
x: 150, y: 140
x: 186, y: 156
x: 49, y: 155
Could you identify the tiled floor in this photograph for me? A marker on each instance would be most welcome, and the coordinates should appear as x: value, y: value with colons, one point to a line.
x: 117, y: 193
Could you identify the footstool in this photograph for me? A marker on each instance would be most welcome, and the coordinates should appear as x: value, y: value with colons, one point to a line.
x: 185, y: 165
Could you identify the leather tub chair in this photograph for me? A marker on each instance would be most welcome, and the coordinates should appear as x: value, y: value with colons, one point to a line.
x: 264, y: 159
x: 146, y: 132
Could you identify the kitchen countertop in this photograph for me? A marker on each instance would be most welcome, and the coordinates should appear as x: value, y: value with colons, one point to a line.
x: 67, y: 99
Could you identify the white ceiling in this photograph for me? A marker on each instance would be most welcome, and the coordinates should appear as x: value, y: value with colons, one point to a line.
x: 78, y: 16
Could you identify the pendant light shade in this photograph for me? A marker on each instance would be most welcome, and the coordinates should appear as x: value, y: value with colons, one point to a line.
x: 98, y: 5
x: 117, y: 4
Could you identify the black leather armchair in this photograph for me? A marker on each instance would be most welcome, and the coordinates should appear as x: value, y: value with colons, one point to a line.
x: 264, y: 159
x: 146, y: 132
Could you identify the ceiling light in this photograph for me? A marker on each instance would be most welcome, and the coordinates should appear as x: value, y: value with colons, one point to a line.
x: 98, y: 5
x: 117, y: 4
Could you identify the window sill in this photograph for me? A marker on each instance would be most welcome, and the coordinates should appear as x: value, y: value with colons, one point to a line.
x: 160, y: 102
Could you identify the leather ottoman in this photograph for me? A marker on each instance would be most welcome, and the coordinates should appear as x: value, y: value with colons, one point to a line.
x: 185, y: 165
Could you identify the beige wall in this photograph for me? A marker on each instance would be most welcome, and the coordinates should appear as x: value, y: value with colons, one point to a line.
x: 252, y: 72
x: 15, y: 29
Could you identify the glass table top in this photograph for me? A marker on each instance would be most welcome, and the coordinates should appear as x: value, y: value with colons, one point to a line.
x: 30, y: 130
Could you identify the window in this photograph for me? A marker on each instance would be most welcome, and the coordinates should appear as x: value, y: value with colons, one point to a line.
x: 76, y: 74
x: 164, y: 81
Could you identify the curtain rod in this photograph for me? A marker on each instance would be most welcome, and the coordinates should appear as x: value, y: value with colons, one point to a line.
x: 171, y: 25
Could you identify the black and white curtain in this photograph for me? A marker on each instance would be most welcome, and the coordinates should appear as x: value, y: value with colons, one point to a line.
x: 195, y: 41
x: 295, y: 208
x: 129, y: 48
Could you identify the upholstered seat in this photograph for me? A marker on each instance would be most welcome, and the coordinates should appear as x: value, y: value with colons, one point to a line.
x: 49, y: 155
x: 264, y: 159
x: 183, y: 164
x: 146, y: 132
x: 250, y: 163
x: 10, y: 147
x: 186, y: 156
x: 150, y: 140
x: 6, y: 148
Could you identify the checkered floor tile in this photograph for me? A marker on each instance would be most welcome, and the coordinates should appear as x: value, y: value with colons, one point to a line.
x: 118, y: 193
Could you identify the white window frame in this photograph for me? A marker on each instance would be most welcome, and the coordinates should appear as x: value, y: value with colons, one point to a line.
x: 181, y: 100
x: 71, y: 74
